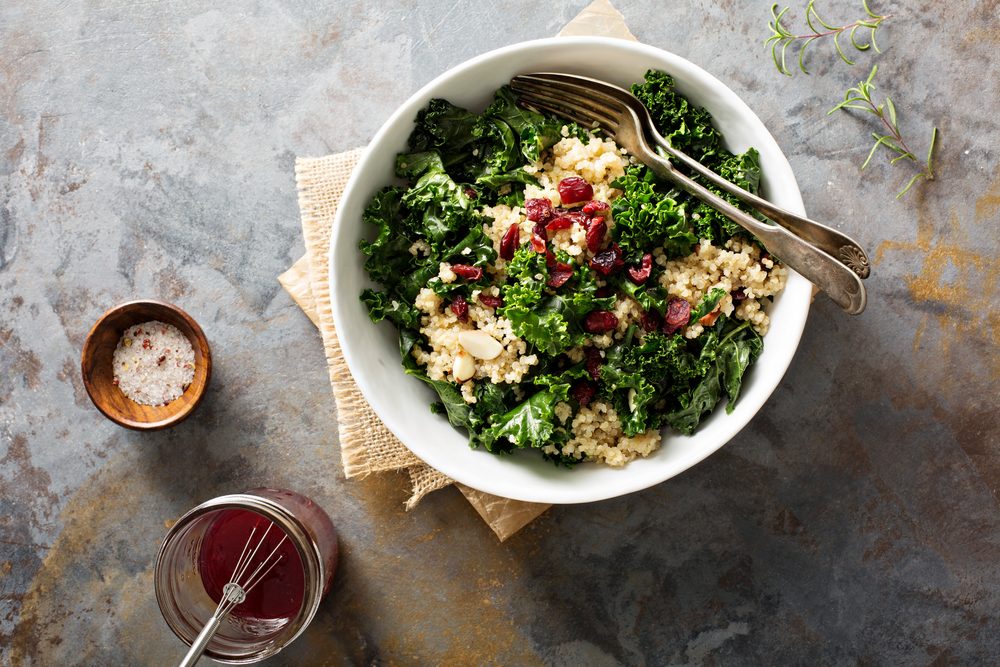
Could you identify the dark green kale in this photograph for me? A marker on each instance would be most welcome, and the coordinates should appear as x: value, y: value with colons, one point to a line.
x: 649, y: 214
x: 540, y: 325
x: 446, y: 129
x: 549, y: 320
x: 534, y: 131
x: 446, y: 208
x: 451, y: 401
x: 381, y: 306
x: 687, y: 127
x: 708, y: 303
x: 744, y: 171
x: 531, y: 423
x: 388, y: 254
x: 724, y: 363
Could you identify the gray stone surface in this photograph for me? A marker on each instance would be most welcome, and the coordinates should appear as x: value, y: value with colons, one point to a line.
x: 148, y: 151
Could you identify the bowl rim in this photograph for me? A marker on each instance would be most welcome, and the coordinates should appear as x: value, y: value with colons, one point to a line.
x: 405, y: 112
x: 200, y: 341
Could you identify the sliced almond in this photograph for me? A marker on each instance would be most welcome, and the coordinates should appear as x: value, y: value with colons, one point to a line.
x: 480, y: 344
x: 631, y: 400
x: 464, y: 367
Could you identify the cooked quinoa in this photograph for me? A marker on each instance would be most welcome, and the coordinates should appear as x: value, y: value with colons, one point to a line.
x: 515, y: 367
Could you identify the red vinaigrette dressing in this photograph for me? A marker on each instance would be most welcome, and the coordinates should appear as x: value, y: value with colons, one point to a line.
x: 280, y: 593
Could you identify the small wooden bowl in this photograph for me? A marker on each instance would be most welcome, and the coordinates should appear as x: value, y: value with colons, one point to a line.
x: 98, y: 372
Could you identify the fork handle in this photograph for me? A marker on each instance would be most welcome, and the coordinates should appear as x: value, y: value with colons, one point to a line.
x: 840, y: 282
x: 837, y: 244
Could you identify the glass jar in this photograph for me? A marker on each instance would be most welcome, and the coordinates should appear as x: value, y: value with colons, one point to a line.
x: 186, y: 605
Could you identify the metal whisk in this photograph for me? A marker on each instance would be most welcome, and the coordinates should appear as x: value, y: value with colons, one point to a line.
x: 235, y: 592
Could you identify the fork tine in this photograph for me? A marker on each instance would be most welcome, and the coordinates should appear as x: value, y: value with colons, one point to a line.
x: 579, y: 91
x: 581, y: 116
x: 569, y: 105
x: 569, y: 93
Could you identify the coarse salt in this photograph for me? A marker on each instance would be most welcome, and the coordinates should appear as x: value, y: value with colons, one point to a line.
x: 153, y: 363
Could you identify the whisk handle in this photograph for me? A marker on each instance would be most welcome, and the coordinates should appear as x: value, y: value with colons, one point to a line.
x: 205, y: 636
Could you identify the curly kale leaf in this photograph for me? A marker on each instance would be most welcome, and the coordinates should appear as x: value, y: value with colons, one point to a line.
x: 529, y: 424
x: 388, y: 254
x: 534, y: 131
x: 551, y: 322
x: 381, y: 306
x: 721, y: 365
x: 744, y: 171
x: 647, y: 216
x: 446, y: 129
x: 445, y: 205
x: 707, y: 304
x: 650, y: 295
x: 687, y: 127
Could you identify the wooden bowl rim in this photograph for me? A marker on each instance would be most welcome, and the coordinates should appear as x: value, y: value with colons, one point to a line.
x: 200, y: 341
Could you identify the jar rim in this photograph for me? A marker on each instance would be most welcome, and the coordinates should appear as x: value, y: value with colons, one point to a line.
x: 309, y: 553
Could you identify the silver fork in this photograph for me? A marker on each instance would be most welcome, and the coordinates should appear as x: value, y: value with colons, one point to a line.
x: 825, y: 238
x: 577, y: 99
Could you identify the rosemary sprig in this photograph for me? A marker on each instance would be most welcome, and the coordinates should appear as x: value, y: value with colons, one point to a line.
x: 860, y: 98
x: 781, y: 37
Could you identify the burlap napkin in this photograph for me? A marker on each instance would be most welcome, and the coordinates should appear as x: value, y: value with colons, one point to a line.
x: 366, y: 445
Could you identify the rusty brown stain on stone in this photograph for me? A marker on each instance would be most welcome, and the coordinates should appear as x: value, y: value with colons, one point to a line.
x: 70, y: 374
x: 23, y: 363
x: 14, y: 153
x: 70, y: 305
x: 171, y: 285
x: 75, y: 574
x: 435, y: 619
x: 967, y: 302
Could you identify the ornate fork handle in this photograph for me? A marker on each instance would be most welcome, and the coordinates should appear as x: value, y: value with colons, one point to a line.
x: 839, y: 245
x: 839, y: 282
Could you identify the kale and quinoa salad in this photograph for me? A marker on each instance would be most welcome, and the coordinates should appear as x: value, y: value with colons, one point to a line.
x: 556, y: 294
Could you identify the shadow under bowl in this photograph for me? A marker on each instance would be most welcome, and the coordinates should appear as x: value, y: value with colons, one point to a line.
x: 98, y: 367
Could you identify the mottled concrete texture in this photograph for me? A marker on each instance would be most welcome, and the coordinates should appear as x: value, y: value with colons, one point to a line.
x: 147, y: 151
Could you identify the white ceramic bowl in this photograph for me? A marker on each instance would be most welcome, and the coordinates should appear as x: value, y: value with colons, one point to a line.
x: 372, y: 352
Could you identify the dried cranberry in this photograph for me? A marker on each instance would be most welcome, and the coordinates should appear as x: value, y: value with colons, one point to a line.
x: 490, y: 301
x: 608, y: 261
x: 583, y: 391
x: 472, y: 273
x: 640, y: 274
x: 538, y: 244
x: 538, y: 210
x: 539, y: 230
x: 550, y: 257
x: 562, y: 222
x: 460, y: 307
x: 471, y: 193
x: 651, y: 320
x: 595, y: 234
x: 593, y: 362
x: 600, y: 321
x: 678, y: 314
x: 597, y: 208
x: 508, y: 244
x: 739, y: 294
x: 559, y: 274
x: 604, y: 292
x: 574, y: 189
